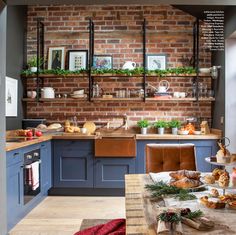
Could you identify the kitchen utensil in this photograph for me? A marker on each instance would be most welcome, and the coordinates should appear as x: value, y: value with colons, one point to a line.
x: 31, y: 94
x: 164, y: 85
x: 129, y: 65
x: 47, y: 93
x: 90, y: 126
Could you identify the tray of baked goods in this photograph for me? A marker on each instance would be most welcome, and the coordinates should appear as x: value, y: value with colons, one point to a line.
x: 220, y: 179
x: 216, y: 201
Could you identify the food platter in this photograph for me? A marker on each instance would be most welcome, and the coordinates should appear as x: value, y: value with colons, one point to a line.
x: 208, y: 160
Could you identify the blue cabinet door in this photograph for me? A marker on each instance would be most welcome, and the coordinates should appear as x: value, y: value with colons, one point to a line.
x: 15, y: 194
x: 141, y: 155
x: 204, y: 148
x: 110, y: 172
x: 73, y: 163
x: 46, y: 166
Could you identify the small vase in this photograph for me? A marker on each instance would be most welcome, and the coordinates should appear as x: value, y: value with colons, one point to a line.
x: 161, y: 130
x: 174, y: 130
x: 33, y: 69
x: 144, y: 130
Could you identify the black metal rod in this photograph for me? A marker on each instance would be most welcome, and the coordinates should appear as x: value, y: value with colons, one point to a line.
x: 38, y: 55
x: 144, y: 59
x: 194, y: 45
x: 197, y: 58
x: 90, y: 57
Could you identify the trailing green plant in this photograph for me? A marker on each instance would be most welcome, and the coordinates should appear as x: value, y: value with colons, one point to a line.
x: 161, y: 124
x: 136, y: 71
x: 143, y: 123
x: 32, y: 62
x: 174, y: 124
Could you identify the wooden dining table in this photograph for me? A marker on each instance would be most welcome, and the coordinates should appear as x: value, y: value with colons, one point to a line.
x: 142, y: 210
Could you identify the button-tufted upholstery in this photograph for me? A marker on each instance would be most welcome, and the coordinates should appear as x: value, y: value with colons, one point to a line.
x: 170, y: 157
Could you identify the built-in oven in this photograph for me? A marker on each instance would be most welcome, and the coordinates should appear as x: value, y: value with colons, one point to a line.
x: 32, y: 175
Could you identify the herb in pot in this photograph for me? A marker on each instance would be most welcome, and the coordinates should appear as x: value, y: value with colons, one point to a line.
x: 143, y: 124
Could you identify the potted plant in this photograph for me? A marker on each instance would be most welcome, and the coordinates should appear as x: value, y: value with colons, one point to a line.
x: 32, y: 63
x: 160, y: 125
x: 143, y: 124
x: 174, y: 124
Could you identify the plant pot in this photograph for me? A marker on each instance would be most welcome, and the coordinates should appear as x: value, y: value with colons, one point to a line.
x: 144, y: 130
x: 161, y: 130
x: 33, y: 69
x: 174, y: 131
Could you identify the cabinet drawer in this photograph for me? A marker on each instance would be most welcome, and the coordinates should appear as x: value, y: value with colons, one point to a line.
x: 115, y: 147
x: 14, y: 157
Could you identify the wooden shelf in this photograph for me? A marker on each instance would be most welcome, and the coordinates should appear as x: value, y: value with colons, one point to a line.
x: 180, y: 99
x: 55, y: 100
x: 117, y: 99
x: 112, y: 75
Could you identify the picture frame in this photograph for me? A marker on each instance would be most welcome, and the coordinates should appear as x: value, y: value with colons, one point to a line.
x: 102, y: 62
x: 77, y: 59
x: 156, y: 61
x: 56, y: 58
x: 11, y: 97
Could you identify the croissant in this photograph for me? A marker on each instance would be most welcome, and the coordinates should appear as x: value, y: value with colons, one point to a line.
x: 178, y: 175
x: 186, y: 183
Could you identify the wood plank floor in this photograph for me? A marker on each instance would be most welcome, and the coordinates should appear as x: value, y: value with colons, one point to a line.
x: 63, y: 215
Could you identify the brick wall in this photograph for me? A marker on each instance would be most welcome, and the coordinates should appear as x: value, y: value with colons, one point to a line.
x: 117, y: 33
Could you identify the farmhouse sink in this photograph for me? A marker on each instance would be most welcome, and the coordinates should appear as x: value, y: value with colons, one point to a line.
x: 115, y: 146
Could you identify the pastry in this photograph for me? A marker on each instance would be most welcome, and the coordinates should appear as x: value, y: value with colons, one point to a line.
x: 217, y: 172
x: 76, y: 129
x: 209, y: 179
x: 212, y: 203
x: 178, y: 175
x: 232, y: 205
x: 185, y: 183
x: 214, y: 192
x: 224, y: 179
x: 69, y: 129
x: 54, y: 126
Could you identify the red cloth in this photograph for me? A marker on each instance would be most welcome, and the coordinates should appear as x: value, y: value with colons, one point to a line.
x: 113, y: 227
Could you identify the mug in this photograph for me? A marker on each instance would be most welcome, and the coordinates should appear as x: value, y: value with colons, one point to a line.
x: 83, y: 130
x: 182, y: 94
x: 31, y: 94
x: 176, y: 94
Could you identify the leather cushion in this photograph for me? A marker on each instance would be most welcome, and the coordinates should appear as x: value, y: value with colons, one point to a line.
x: 170, y: 157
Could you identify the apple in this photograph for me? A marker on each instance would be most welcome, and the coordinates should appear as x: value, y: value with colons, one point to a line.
x: 29, y: 134
x: 38, y: 133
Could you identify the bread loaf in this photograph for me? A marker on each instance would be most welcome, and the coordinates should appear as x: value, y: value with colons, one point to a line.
x: 186, y: 183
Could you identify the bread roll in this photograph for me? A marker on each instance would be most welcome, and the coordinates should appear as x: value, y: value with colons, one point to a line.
x: 54, y: 126
x: 178, y: 175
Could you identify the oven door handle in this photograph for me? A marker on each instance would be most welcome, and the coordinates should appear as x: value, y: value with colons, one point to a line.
x: 29, y: 166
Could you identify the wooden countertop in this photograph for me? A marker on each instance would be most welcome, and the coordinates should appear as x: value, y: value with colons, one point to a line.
x: 67, y: 136
x: 177, y: 137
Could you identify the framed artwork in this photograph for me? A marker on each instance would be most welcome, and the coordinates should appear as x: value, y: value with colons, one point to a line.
x: 56, y: 58
x: 11, y: 98
x: 77, y: 59
x: 156, y: 61
x: 102, y: 61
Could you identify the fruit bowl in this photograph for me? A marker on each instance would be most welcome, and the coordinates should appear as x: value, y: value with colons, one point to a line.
x: 183, y: 132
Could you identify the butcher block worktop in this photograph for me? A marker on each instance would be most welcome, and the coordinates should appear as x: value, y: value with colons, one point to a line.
x: 216, y: 134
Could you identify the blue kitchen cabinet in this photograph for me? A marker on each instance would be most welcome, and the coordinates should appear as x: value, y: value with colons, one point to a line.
x: 110, y: 172
x: 73, y: 163
x: 14, y: 190
x: 204, y: 148
x: 46, y: 166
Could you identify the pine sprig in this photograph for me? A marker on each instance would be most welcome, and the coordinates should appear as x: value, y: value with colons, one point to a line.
x: 168, y: 216
x: 185, y: 196
x: 194, y: 214
x: 160, y: 189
